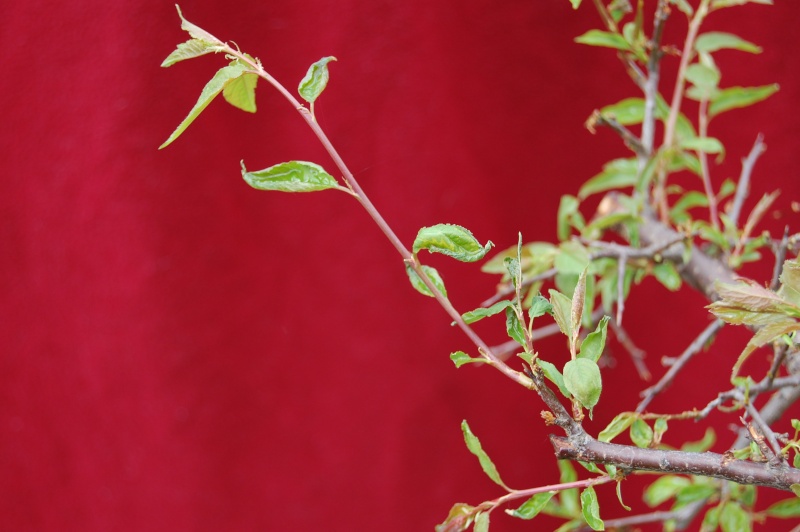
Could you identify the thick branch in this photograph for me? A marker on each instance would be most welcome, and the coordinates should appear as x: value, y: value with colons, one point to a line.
x: 706, y: 464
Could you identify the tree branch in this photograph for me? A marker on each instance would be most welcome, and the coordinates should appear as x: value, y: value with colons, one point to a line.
x: 743, y: 187
x: 706, y: 464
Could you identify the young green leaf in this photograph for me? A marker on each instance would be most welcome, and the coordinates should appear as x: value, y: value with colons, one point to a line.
x: 591, y: 509
x: 561, y: 311
x: 667, y: 275
x: 702, y: 144
x: 569, y: 498
x: 315, y: 80
x: 617, y: 426
x: 481, y: 522
x: 223, y: 76
x: 460, y: 358
x: 719, y: 4
x: 594, y: 343
x: 576, y: 310
x: 575, y: 3
x: 189, y: 50
x: 553, y: 375
x: 420, y: 286
x: 567, y: 210
x: 604, y: 38
x: 582, y: 379
x: 641, y: 433
x: 539, y: 307
x: 293, y: 176
x: 474, y: 446
x: 717, y: 40
x: 240, y: 92
x: 785, y: 509
x: 734, y: 518
x: 619, y: 173
x: 482, y: 312
x: 736, y: 97
x: 196, y: 31
x: 703, y: 445
x: 664, y: 488
x: 514, y: 327
x: 451, y: 240
x: 659, y: 428
x: 627, y: 112
x: 532, y: 506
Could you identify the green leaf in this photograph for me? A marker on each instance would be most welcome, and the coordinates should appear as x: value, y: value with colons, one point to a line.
x: 514, y: 327
x: 594, y: 343
x: 616, y: 427
x: 474, y: 446
x: 711, y: 520
x: 664, y: 488
x: 705, y: 79
x: 717, y: 40
x: 532, y: 506
x: 223, y: 76
x: 709, y: 438
x: 619, y: 496
x: 790, y: 282
x: 481, y: 522
x: 683, y: 6
x: 569, y: 498
x: 561, y: 311
x: 719, y: 4
x: 567, y: 209
x: 695, y: 492
x: 451, y: 240
x: 795, y: 489
x: 734, y: 518
x: 539, y: 307
x: 241, y: 92
x: 641, y: 433
x: 591, y: 509
x: 668, y: 276
x: 603, y: 38
x: 582, y: 379
x: 420, y: 286
x: 458, y: 520
x: 479, y: 313
x: 785, y: 509
x: 736, y: 97
x: 627, y: 112
x: 702, y: 144
x: 555, y: 376
x: 575, y: 3
x: 659, y: 428
x: 292, y: 176
x: 460, y: 358
x: 619, y: 173
x: 189, y: 50
x: 315, y: 80
x: 196, y: 31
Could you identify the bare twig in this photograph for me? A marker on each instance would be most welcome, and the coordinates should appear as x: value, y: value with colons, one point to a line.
x: 627, y: 136
x: 693, y: 348
x: 510, y: 289
x: 681, y: 516
x: 651, y: 84
x: 780, y: 256
x: 637, y: 355
x: 743, y: 187
x: 704, y: 171
x: 774, y: 448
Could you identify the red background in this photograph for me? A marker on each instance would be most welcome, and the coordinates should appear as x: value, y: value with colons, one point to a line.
x: 181, y: 352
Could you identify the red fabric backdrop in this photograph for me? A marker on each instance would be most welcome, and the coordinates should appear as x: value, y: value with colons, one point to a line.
x: 181, y: 352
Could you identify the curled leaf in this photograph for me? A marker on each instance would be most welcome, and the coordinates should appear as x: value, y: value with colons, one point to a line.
x: 315, y: 80
x: 451, y: 240
x: 474, y: 446
x: 294, y: 176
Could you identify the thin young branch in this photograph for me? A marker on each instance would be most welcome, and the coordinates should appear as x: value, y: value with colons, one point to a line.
x: 780, y: 256
x: 693, y: 348
x: 706, y: 464
x: 704, y: 171
x: 651, y: 83
x: 627, y: 136
x: 683, y: 514
x: 743, y: 187
x: 637, y: 355
x: 524, y: 494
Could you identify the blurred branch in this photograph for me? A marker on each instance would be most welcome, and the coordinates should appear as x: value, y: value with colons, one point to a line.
x: 743, y: 187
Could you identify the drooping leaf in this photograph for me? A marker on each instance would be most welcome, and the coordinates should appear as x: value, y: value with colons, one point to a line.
x: 531, y: 508
x: 785, y: 509
x: 420, y: 286
x: 481, y: 522
x: 617, y: 426
x: 460, y: 358
x: 292, y: 176
x: 594, y: 343
x: 767, y: 333
x: 591, y: 509
x: 514, y: 327
x: 603, y: 38
x: 717, y: 40
x: 240, y: 92
x: 734, y: 518
x: 474, y: 446
x: 189, y: 50
x: 641, y: 433
x: 555, y: 376
x: 451, y: 240
x: 703, y: 445
x: 736, y: 97
x: 315, y: 80
x: 582, y: 379
x: 210, y: 91
x: 664, y: 488
x: 479, y: 313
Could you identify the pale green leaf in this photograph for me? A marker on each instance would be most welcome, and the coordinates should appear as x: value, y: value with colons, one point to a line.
x: 736, y: 97
x: 241, y: 92
x: 576, y: 312
x: 567, y: 210
x: 734, y: 518
x: 451, y: 240
x: 785, y: 509
x: 594, y: 343
x: 292, y: 176
x: 582, y: 379
x: 458, y: 519
x: 555, y: 376
x: 481, y: 522
x: 790, y: 282
x: 420, y: 286
x: 575, y: 3
x: 561, y: 311
x: 702, y: 144
x: 531, y: 508
x: 514, y: 326
x: 695, y: 492
x: 603, y: 38
x: 619, y: 173
x: 702, y: 445
x: 460, y: 358
x: 474, y: 446
x: 617, y: 426
x: 591, y: 509
x: 196, y: 31
x: 667, y: 275
x: 315, y: 80
x: 641, y: 433
x: 190, y: 49
x: 717, y: 40
x: 664, y: 488
x: 627, y: 112
x: 210, y: 91
x: 539, y: 307
x: 719, y: 4
x: 479, y: 313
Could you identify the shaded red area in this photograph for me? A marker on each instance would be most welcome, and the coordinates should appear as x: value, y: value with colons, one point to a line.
x: 181, y: 352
